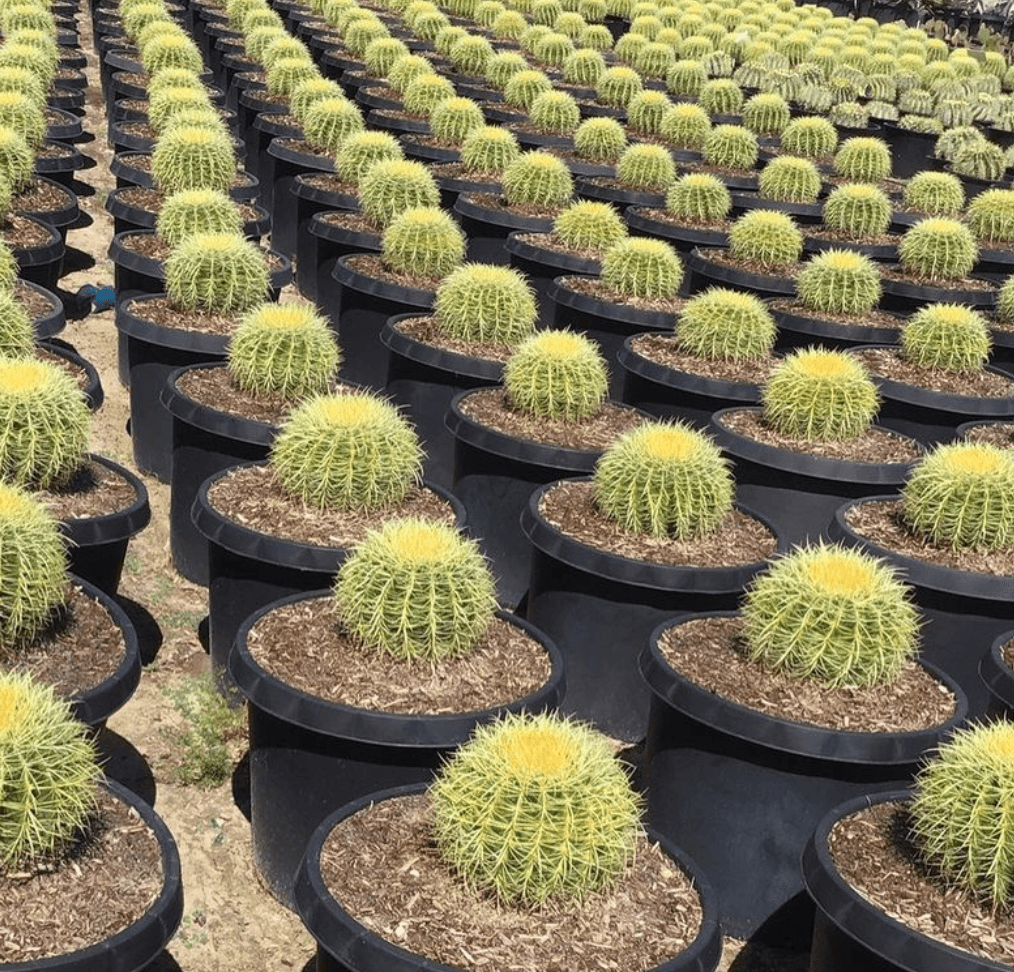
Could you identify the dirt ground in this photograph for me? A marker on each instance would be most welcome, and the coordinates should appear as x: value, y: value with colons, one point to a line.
x: 230, y: 920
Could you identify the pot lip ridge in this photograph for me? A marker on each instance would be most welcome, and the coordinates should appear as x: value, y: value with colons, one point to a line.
x: 327, y: 921
x: 354, y: 279
x: 797, y: 738
x: 545, y: 256
x: 995, y: 673
x: 565, y: 296
x: 117, y: 524
x: 486, y: 369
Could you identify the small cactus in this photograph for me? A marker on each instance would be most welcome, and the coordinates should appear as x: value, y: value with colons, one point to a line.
x: 685, y: 126
x: 731, y: 147
x: 961, y: 496
x: 8, y: 265
x: 486, y: 304
x: 523, y: 87
x: 501, y: 67
x: 283, y: 349
x: 766, y: 238
x: 489, y: 151
x: 935, y: 194
x: 558, y: 375
x: 646, y: 167
x: 665, y: 479
x: 416, y: 589
x: 197, y: 211
x: 589, y: 225
x: 350, y: 451
x: 171, y: 50
x: 534, y: 807
x: 981, y: 160
x: 990, y: 216
x: 405, y: 70
x: 642, y: 267
x: 699, y: 198
x: 329, y: 122
x: 820, y: 395
x: 831, y: 614
x: 790, y: 179
x: 218, y: 272
x: 50, y: 774
x: 391, y: 187
x: 938, y: 249
x: 425, y: 93
x: 381, y: 54
x: 840, y: 282
x: 24, y: 116
x: 193, y: 158
x: 863, y: 160
x: 947, y: 336
x: 287, y: 73
x: 471, y: 54
x: 553, y: 49
x: 951, y: 142
x: 584, y: 67
x: 646, y: 111
x: 861, y: 211
x: 423, y: 242
x: 686, y: 77
x: 537, y: 179
x: 811, y: 137
x: 600, y: 139
x: 766, y: 114
x: 721, y: 96
x: 726, y: 325
x: 361, y: 151
x: 617, y: 86
x: 556, y: 112
x: 453, y: 119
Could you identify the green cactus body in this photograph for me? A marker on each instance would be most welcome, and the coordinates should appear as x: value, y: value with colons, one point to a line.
x: 654, y: 60
x: 197, y: 211
x: 416, y: 590
x: 381, y: 54
x: 766, y: 114
x: 17, y: 330
x: 935, y: 194
x: 489, y: 151
x: 840, y: 282
x: 25, y: 117
x: 281, y: 47
x: 423, y: 242
x: 193, y: 158
x: 556, y: 112
x: 938, y: 249
x: 686, y: 78
x: 329, y: 122
x: 288, y: 72
x: 961, y: 496
x: 283, y: 349
x: 951, y: 142
x: 790, y: 179
x: 218, y: 272
x: 627, y: 46
x: 665, y: 479
x: 685, y: 126
x: 721, y: 96
x: 726, y: 325
x: 534, y: 807
x: 509, y: 25
x: 175, y: 78
x: 406, y: 69
x: 862, y: 211
x: 835, y: 615
x: 351, y: 451
x: 947, y: 336
x: 617, y: 86
x: 766, y: 238
x: 646, y: 112
x: 863, y: 160
x: 524, y: 87
x: 990, y: 216
x: 642, y: 267
x: 597, y: 37
x: 310, y: 91
x: 502, y: 66
x: 557, y: 375
x: 584, y: 66
x: 471, y: 54
x: 360, y: 152
x: 425, y: 93
x: 731, y: 147
x: 553, y: 49
x: 393, y: 186
x: 486, y: 304
x: 600, y: 139
x: 820, y: 395
x: 452, y: 120
x: 171, y: 51
x: 24, y: 82
x: 537, y: 179
x: 812, y: 138
x: 589, y: 225
x: 981, y: 160
x: 815, y: 98
x: 647, y: 167
x: 200, y: 114
x: 699, y: 198
x: 17, y: 161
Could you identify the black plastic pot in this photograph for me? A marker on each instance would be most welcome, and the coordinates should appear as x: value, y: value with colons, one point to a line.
x: 705, y: 272
x: 423, y: 379
x: 310, y: 200
x: 65, y: 127
x: 683, y: 237
x: 91, y: 387
x: 247, y: 570
x: 61, y: 166
x: 909, y: 150
x: 326, y: 244
x: 51, y: 322
x: 998, y: 677
x: 252, y: 101
x: 309, y: 757
x: 61, y: 215
x: 904, y: 295
x: 542, y: 264
x: 881, y: 252
x: 284, y: 163
x: 851, y: 932
x: 361, y: 310
x: 601, y: 608
x: 41, y: 264
x: 271, y: 125
x: 127, y: 217
x: 796, y: 491
x: 136, y: 946
x: 204, y: 442
x: 801, y: 213
x: 621, y: 199
x: 994, y: 263
x: 345, y: 945
x: 801, y: 327
x: 965, y: 611
x: 415, y: 148
x: 487, y: 229
x: 744, y: 790
x: 452, y: 187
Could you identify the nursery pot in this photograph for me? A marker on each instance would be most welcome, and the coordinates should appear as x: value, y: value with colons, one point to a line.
x: 309, y: 201
x: 487, y: 228
x: 541, y: 265
x: 309, y: 756
x: 998, y: 677
x: 286, y: 162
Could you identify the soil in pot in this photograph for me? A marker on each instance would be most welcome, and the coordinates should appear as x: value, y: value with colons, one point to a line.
x: 488, y: 220
x: 711, y: 266
x: 683, y: 235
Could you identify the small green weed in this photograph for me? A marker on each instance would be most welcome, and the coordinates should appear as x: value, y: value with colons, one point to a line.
x: 202, y: 757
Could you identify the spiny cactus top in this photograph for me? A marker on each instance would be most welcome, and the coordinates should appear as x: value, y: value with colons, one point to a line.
x: 665, y: 479
x: 348, y: 451
x: 416, y: 589
x: 486, y: 304
x: 49, y: 773
x: 961, y: 496
x: 950, y: 337
x: 726, y: 325
x: 193, y: 158
x: 423, y: 242
x: 391, y: 186
x: 839, y: 282
x: 938, y: 249
x: 218, y: 272
x: 534, y: 807
x: 767, y: 238
x: 588, y: 225
x: 197, y: 211
x: 833, y: 614
x: 642, y: 267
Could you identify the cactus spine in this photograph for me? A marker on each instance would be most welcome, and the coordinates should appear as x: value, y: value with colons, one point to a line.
x: 559, y: 375
x: 485, y: 304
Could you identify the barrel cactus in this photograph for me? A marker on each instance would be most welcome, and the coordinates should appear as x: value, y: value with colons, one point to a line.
x: 990, y: 216
x: 699, y: 198
x: 556, y: 112
x: 17, y: 160
x: 584, y: 67
x: 810, y: 137
x: 537, y: 179
x: 642, y: 267
x: 17, y: 330
x: 24, y: 116
x: 489, y: 151
x: 328, y: 122
x: 934, y: 194
x: 453, y: 119
x: 197, y: 211
x: 218, y: 272
x: 588, y: 225
x: 686, y: 77
x: 980, y: 160
x: 832, y: 614
x: 349, y: 451
x: 600, y: 140
x: 861, y: 211
x: 790, y: 179
x: 617, y: 85
x: 392, y: 186
x: 726, y: 325
x: 416, y: 590
x: 731, y: 147
x: 685, y: 126
x: 423, y: 242
x: 485, y: 304
x: 766, y: 238
x: 721, y: 96
x: 524, y: 87
x: 840, y: 282
x: 938, y: 249
x: 361, y: 151
x: 193, y: 158
x: 766, y: 114
x: 646, y: 167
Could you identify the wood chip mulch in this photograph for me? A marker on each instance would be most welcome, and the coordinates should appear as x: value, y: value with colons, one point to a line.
x: 489, y: 407
x: 351, y: 222
x: 1000, y: 434
x: 723, y: 257
x: 874, y: 853
x: 890, y: 363
x: 301, y: 145
x: 372, y: 265
x: 664, y: 216
x: 305, y: 646
x: 457, y: 170
x: 252, y: 497
x: 107, y: 882
x: 873, y: 318
x: 889, y: 272
x: 873, y: 446
x: 649, y: 916
x: 594, y: 287
x: 94, y: 490
x: 827, y: 235
x: 80, y: 650
x: 153, y: 247
x: 426, y: 331
x: 161, y: 312
x: 329, y: 182
x: 882, y: 523
x: 666, y: 350
x: 498, y: 204
x: 550, y: 241
x: 570, y: 507
x: 21, y: 233
x: 36, y: 304
x: 41, y: 197
x: 712, y: 653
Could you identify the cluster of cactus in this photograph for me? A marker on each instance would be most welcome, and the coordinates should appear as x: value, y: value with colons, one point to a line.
x: 423, y: 242
x: 840, y: 282
x: 416, y: 589
x: 328, y: 122
x: 954, y: 140
x: 197, y: 211
x: 863, y: 160
x: 665, y: 479
x: 535, y: 807
x: 832, y: 614
x: 961, y: 496
x: 360, y: 152
x: 726, y: 325
x: 934, y: 194
x: 861, y: 211
x: 283, y: 349
x: 489, y: 151
x: 350, y: 451
x: 537, y: 179
x: 949, y: 337
x: 699, y: 198
x: 50, y: 774
x: 810, y: 137
x: 938, y: 249
x: 588, y: 225
x: 392, y: 186
x: 485, y: 304
x: 990, y: 216
x: 193, y: 158
x: 556, y: 112
x: 642, y: 267
x: 219, y: 272
x: 820, y: 395
x: 766, y: 238
x: 730, y: 147
x: 788, y: 178
x: 685, y: 126
x: 600, y: 139
x: 557, y: 375
x: 646, y: 167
